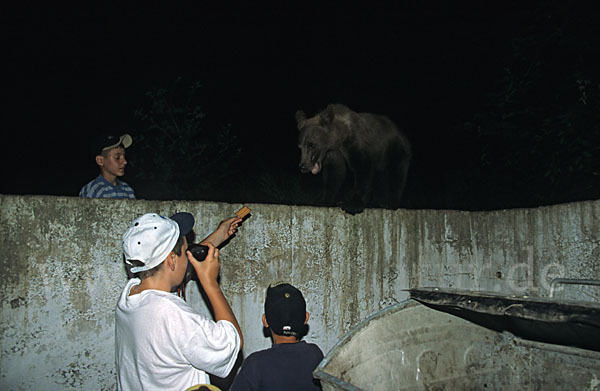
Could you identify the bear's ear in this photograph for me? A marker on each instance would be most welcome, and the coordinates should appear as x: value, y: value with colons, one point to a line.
x: 327, y: 115
x: 300, y: 118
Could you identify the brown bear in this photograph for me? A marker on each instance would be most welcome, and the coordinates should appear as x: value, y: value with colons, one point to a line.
x: 369, y: 149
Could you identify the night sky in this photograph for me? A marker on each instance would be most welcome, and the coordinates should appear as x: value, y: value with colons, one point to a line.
x: 426, y: 65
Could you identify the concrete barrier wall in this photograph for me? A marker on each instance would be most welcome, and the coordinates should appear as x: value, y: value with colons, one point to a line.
x: 62, y: 270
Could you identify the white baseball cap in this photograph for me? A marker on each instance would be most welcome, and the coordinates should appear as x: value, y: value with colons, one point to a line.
x: 149, y: 239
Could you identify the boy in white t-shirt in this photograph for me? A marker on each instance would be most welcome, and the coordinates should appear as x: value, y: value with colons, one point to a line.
x: 161, y: 342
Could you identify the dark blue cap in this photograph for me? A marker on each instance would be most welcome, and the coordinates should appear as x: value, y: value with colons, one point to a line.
x: 185, y: 221
x: 285, y: 310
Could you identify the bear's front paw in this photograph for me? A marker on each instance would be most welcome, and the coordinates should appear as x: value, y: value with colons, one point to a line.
x: 353, y: 207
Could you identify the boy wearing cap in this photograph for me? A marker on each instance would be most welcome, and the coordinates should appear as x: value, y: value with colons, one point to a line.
x: 161, y: 342
x: 110, y: 157
x: 289, y: 363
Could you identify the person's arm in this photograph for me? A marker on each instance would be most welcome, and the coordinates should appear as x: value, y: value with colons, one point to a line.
x: 226, y: 228
x: 208, y: 272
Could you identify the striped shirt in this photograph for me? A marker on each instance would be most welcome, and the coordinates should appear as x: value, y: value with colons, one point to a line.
x: 101, y: 188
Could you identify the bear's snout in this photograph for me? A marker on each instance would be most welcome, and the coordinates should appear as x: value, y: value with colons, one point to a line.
x: 303, y: 168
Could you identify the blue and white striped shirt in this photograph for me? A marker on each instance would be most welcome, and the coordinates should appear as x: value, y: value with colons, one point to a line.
x: 101, y: 188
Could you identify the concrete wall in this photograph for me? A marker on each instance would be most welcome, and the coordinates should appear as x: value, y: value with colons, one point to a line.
x: 62, y: 270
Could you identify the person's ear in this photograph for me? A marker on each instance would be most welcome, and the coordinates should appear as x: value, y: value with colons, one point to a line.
x: 100, y: 160
x: 307, y: 316
x: 171, y: 261
x: 264, y: 320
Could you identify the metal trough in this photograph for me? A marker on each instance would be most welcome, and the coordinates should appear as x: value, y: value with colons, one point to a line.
x: 412, y: 346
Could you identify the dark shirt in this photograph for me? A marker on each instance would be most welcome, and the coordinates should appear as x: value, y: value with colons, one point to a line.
x: 286, y: 366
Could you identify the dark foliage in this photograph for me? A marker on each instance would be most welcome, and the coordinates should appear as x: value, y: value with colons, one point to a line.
x: 539, y: 131
x: 179, y: 153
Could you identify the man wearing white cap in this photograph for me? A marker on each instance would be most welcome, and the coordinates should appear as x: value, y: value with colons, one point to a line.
x: 161, y: 342
x: 110, y: 157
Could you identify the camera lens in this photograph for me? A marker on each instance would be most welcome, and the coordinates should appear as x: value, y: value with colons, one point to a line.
x: 199, y: 251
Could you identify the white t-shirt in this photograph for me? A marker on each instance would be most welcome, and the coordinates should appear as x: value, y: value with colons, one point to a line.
x: 164, y: 344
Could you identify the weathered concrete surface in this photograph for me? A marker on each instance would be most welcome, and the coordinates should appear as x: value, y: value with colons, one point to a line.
x: 409, y: 346
x: 62, y: 269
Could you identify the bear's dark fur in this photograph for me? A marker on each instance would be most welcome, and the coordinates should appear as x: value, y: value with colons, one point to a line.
x: 367, y: 147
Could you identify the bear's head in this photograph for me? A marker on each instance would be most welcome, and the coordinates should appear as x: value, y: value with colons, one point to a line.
x: 316, y: 137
